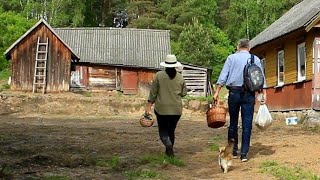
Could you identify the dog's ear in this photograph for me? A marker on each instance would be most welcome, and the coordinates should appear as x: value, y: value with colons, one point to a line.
x: 222, y: 149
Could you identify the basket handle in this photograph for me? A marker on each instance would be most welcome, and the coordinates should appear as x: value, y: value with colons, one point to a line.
x: 216, y: 102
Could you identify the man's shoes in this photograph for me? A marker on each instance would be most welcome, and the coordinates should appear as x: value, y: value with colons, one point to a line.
x: 169, y: 151
x: 244, y: 158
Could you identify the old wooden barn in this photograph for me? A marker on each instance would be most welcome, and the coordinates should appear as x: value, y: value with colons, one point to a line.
x: 116, y: 59
x: 41, y: 60
x: 47, y: 59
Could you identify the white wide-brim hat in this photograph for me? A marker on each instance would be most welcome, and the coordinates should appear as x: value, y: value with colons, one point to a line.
x: 171, y: 62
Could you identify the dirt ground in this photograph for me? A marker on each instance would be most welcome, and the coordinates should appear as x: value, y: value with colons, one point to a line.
x: 39, y: 145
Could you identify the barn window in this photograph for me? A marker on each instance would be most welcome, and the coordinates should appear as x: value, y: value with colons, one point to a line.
x: 280, y: 68
x: 301, y: 62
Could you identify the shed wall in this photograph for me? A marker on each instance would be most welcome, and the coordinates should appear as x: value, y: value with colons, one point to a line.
x: 23, y: 62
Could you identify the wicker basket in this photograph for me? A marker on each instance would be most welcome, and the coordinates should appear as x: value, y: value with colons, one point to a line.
x: 146, y: 121
x: 216, y: 115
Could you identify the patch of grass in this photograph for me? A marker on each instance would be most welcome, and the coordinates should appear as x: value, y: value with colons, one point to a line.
x: 315, y: 129
x: 4, y: 86
x: 218, y: 138
x: 102, y: 163
x: 113, y: 163
x: 141, y: 174
x: 199, y: 98
x: 285, y: 172
x: 56, y: 178
x: 87, y: 94
x: 161, y: 159
x: 214, y: 147
x: 4, y: 74
x: 215, y: 143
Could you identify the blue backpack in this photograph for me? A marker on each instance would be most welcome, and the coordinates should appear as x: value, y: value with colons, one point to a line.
x: 252, y: 76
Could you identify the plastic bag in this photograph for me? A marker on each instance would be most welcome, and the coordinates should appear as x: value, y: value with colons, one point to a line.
x: 263, y: 119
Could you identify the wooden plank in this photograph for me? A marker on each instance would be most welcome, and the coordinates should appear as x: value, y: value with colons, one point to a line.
x: 193, y: 67
x: 196, y: 84
x: 193, y: 71
x: 197, y: 73
x: 192, y: 83
x: 195, y: 76
x: 196, y: 93
x: 192, y: 80
x: 195, y: 87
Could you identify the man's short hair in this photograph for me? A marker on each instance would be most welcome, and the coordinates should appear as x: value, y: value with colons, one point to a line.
x: 244, y: 43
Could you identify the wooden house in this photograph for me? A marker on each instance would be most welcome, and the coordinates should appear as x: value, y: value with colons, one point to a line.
x: 290, y: 51
x: 116, y: 59
x: 41, y: 60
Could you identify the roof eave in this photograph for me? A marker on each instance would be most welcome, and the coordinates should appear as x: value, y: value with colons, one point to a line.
x: 260, y: 44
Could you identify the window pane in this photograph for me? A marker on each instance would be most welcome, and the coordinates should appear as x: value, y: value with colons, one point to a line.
x: 281, y: 79
x: 280, y: 67
x: 302, y: 61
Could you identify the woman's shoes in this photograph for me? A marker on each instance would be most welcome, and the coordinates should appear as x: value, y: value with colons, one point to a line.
x: 169, y: 151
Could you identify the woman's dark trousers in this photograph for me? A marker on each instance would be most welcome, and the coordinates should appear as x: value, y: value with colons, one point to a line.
x: 167, y: 125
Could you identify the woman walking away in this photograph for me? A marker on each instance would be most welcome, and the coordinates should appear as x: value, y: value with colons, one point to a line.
x: 166, y: 91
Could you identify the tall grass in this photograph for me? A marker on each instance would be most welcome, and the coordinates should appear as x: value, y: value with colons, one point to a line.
x: 4, y: 74
x: 161, y: 159
x: 285, y: 172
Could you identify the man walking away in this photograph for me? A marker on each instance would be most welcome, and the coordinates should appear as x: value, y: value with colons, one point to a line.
x: 231, y: 76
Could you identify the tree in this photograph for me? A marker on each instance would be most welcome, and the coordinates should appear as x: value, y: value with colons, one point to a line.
x: 12, y: 26
x: 56, y: 12
x: 203, y: 45
x: 247, y: 18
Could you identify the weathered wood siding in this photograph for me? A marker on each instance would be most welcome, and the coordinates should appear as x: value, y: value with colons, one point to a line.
x: 23, y: 62
x: 102, y: 77
x: 80, y: 77
x: 289, y: 44
x: 196, y: 80
x: 292, y: 95
x: 145, y: 78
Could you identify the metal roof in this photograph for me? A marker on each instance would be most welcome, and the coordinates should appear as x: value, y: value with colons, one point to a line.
x: 115, y: 46
x: 301, y: 15
x: 41, y: 21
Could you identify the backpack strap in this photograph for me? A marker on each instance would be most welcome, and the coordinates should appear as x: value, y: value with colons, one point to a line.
x: 252, y: 59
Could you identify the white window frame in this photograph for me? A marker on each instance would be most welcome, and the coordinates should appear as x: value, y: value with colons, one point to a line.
x: 280, y: 83
x: 300, y: 76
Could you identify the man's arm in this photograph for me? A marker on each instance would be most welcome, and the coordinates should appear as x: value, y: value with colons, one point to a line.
x: 216, y: 93
x: 222, y: 78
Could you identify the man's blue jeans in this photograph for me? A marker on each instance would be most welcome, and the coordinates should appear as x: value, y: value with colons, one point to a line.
x: 244, y: 100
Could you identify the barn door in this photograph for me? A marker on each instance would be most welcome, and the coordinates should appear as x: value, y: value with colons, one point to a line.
x: 129, y: 80
x: 316, y: 75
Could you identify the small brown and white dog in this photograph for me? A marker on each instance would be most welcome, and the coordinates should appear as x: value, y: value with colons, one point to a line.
x: 225, y: 156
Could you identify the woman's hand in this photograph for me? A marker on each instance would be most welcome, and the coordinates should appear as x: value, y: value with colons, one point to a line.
x: 148, y: 108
